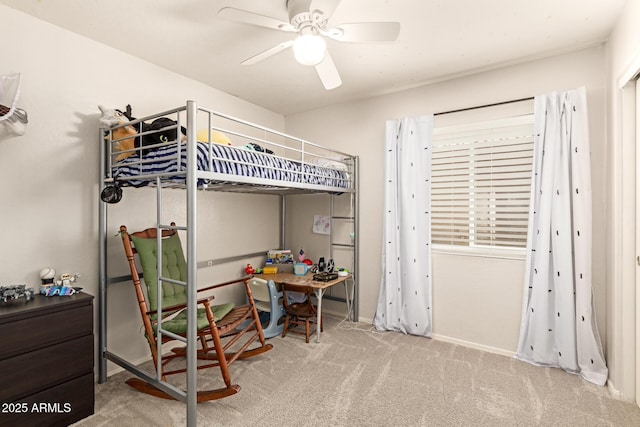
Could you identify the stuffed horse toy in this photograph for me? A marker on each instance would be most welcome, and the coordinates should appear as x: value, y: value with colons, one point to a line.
x: 112, y: 117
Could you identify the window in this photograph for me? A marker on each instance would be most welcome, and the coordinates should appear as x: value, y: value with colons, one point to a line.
x: 481, y: 183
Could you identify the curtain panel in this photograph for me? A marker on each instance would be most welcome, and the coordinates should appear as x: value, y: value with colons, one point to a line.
x: 558, y: 326
x: 404, y: 302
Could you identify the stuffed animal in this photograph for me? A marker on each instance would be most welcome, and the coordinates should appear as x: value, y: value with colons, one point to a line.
x: 112, y: 117
x: 217, y: 137
x: 252, y: 146
x: 158, y: 136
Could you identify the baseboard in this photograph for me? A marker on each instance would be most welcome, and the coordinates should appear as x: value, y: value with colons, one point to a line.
x: 476, y: 346
x: 463, y: 343
x: 334, y: 313
x: 615, y: 393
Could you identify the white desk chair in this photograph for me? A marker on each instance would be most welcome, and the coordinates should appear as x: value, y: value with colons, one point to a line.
x: 267, y: 299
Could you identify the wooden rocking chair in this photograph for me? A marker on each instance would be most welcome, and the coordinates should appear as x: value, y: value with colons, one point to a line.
x: 238, y: 327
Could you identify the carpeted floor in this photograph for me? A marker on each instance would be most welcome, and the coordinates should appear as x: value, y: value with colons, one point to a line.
x: 359, y: 377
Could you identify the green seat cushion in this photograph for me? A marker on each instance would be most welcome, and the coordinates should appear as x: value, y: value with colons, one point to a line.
x: 178, y: 325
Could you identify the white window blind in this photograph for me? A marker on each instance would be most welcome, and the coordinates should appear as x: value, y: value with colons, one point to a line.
x: 481, y: 183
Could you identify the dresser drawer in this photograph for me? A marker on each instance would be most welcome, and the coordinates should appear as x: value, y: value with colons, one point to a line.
x: 31, y: 333
x: 27, y: 373
x: 56, y: 406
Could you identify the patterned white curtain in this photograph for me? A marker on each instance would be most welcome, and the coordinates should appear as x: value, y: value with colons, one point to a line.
x: 558, y: 319
x: 404, y: 302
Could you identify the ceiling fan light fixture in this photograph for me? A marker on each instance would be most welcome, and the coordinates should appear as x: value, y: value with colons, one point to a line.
x: 309, y: 49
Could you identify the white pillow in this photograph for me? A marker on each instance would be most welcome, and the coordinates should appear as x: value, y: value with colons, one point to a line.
x: 328, y: 163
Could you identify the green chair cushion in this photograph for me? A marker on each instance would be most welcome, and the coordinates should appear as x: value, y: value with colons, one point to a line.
x: 173, y: 267
x: 178, y: 324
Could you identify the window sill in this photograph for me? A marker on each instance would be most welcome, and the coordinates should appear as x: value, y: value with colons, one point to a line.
x: 483, y: 252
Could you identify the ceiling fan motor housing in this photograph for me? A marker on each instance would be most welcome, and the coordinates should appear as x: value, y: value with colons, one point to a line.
x: 301, y: 17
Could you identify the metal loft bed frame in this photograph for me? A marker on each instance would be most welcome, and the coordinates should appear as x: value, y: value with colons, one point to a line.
x: 295, y: 159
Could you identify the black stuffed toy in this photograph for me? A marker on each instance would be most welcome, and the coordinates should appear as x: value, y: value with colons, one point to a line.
x: 157, y: 135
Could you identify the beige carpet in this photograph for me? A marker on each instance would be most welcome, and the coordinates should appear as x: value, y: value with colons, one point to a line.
x: 359, y: 377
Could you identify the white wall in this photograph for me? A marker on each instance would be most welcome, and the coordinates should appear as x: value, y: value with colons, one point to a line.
x: 623, y: 57
x: 476, y: 301
x: 49, y: 177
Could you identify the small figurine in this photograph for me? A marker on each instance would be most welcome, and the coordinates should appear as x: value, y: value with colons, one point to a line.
x: 321, y: 265
x: 66, y: 279
x: 330, y: 266
x: 249, y: 269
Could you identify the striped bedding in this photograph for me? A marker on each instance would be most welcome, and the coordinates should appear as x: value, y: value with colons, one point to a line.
x: 226, y: 160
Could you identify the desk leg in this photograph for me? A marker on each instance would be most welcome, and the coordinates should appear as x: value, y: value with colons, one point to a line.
x: 319, y: 293
x: 349, y: 300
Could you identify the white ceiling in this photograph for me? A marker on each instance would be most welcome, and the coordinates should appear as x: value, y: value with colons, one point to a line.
x: 438, y: 39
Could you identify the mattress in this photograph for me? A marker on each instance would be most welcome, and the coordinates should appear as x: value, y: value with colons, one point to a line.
x: 231, y: 161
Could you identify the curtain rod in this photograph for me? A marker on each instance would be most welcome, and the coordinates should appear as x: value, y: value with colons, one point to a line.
x: 484, y: 106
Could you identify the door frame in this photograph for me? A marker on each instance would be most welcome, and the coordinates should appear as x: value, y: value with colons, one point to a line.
x: 629, y: 296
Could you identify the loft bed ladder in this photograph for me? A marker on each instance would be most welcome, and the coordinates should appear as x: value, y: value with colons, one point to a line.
x: 337, y: 243
x: 188, y: 396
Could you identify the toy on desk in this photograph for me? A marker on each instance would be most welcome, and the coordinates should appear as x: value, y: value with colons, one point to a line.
x: 300, y: 268
x: 325, y: 276
x: 249, y: 269
x: 8, y: 293
x: 321, y: 265
x: 330, y: 266
x: 279, y: 256
x: 270, y: 269
x: 303, y: 265
x: 343, y: 272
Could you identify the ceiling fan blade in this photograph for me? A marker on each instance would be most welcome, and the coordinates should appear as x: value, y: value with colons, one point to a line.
x: 328, y: 73
x: 243, y: 16
x: 365, y: 32
x: 267, y: 53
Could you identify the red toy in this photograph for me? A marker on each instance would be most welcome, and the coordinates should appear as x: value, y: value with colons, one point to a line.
x: 249, y: 269
x: 302, y: 257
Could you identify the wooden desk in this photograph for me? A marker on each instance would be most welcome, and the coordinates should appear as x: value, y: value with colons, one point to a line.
x: 319, y: 289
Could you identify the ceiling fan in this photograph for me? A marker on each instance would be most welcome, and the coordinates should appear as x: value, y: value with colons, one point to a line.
x: 311, y: 25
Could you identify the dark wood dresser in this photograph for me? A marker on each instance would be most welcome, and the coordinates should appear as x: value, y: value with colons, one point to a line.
x: 46, y: 360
